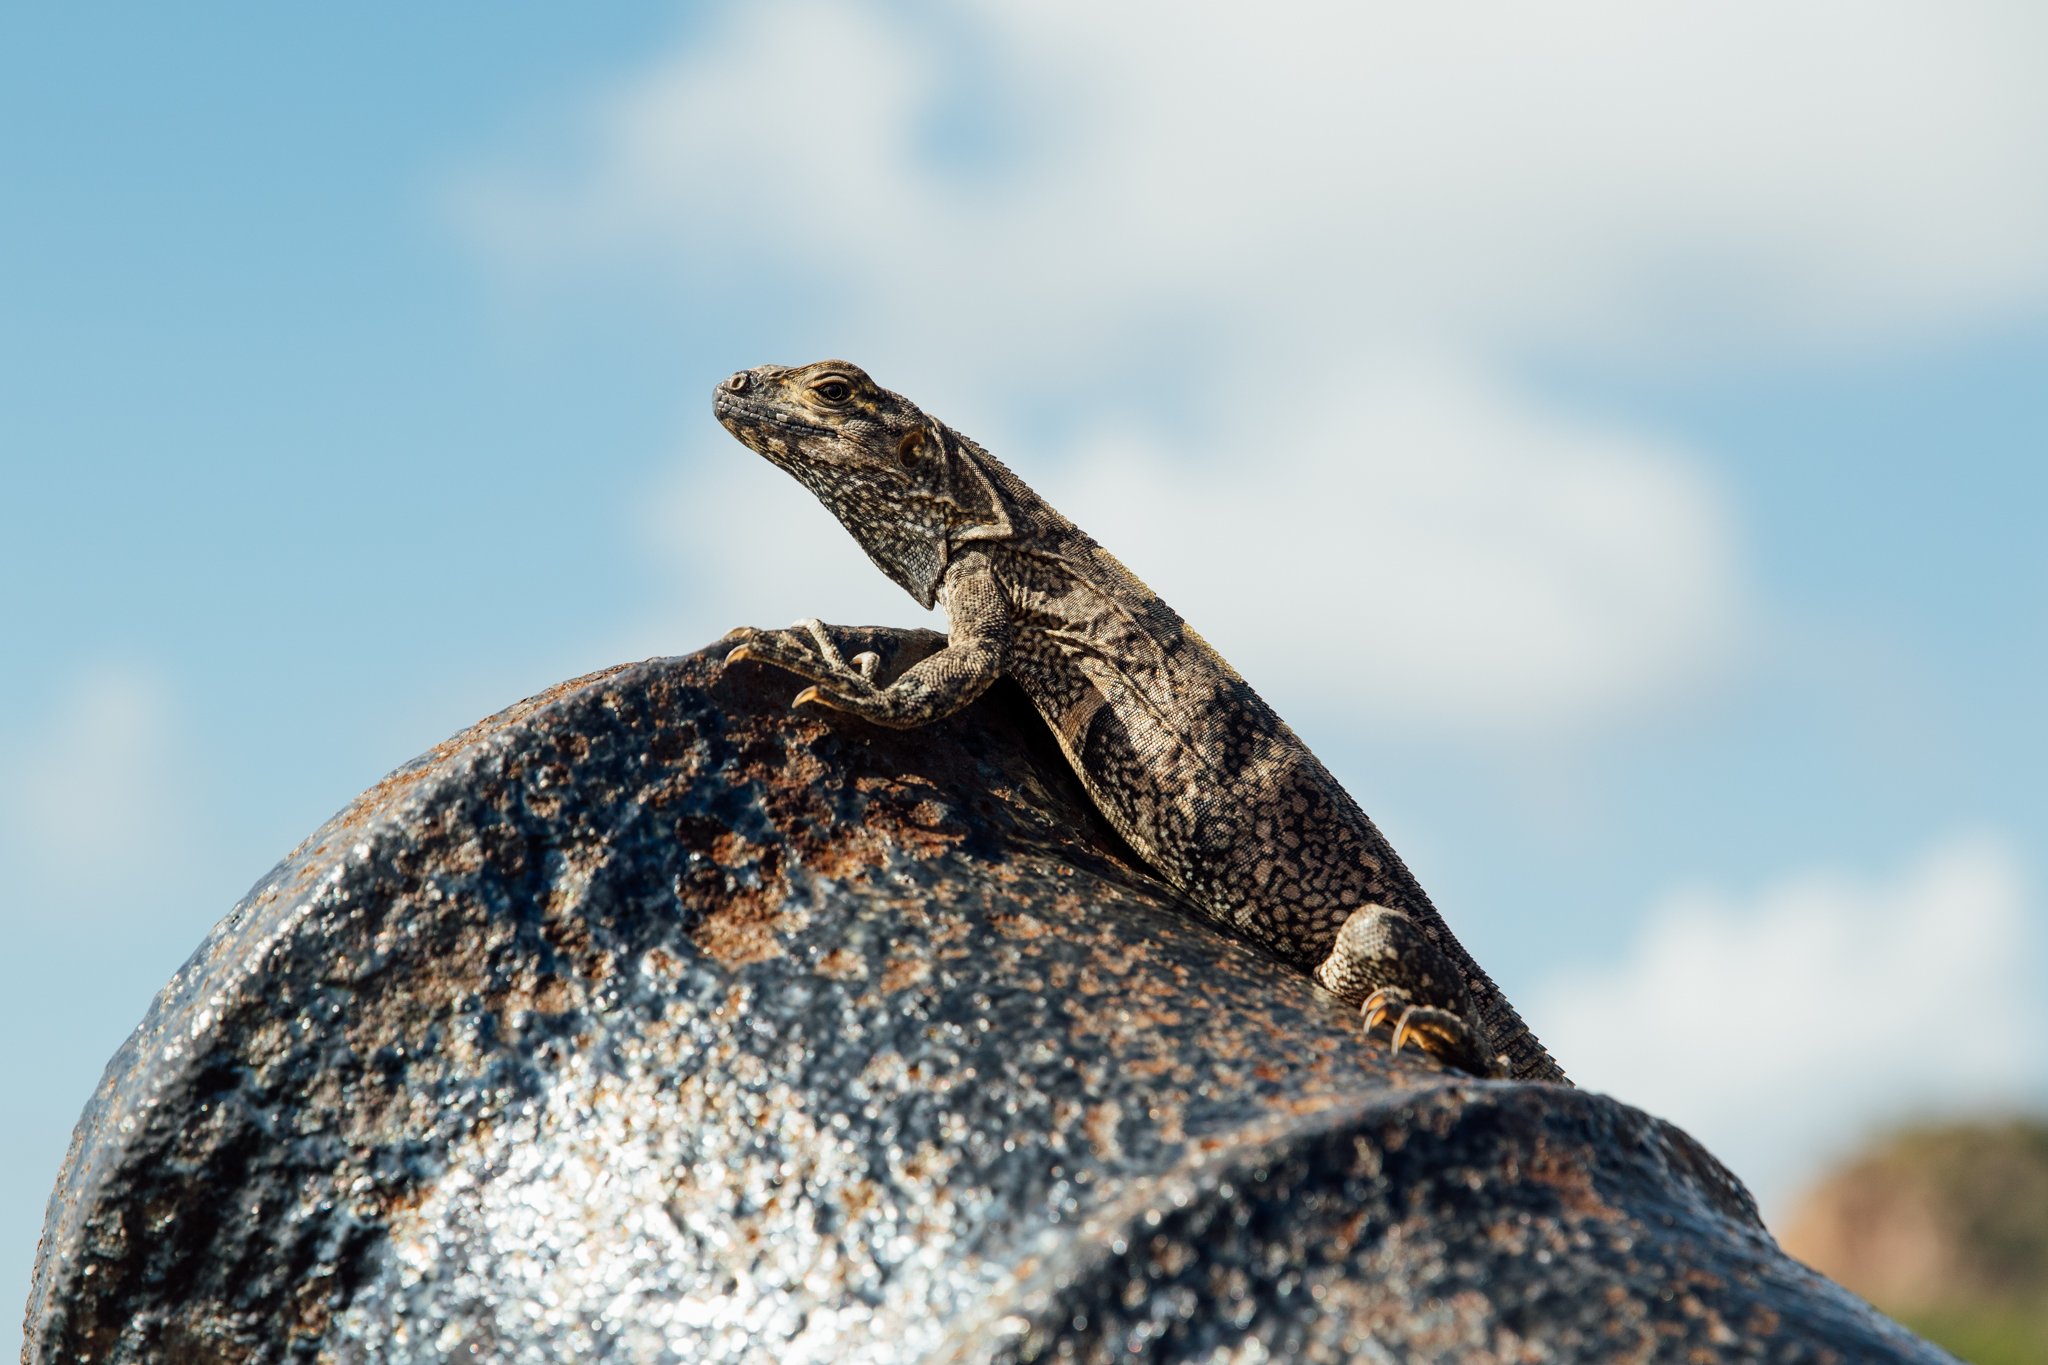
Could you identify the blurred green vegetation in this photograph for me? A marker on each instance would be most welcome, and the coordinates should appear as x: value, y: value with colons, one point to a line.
x: 1985, y: 1335
x: 1945, y: 1227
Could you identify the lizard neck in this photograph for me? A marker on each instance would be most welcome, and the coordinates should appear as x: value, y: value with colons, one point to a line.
x: 994, y: 504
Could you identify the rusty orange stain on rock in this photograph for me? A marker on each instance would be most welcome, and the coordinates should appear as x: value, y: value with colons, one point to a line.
x: 843, y: 964
x: 903, y: 970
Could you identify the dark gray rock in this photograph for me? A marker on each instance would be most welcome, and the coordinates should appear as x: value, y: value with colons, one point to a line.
x: 648, y: 1021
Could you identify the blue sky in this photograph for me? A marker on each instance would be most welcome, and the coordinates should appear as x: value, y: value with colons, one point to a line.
x: 1614, y: 441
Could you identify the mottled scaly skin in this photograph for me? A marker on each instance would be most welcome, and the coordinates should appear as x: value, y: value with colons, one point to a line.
x: 1178, y: 752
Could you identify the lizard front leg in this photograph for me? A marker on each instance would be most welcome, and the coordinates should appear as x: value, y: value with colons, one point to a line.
x: 1384, y: 963
x: 933, y: 688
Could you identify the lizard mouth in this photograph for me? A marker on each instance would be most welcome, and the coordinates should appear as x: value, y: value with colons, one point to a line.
x: 735, y: 412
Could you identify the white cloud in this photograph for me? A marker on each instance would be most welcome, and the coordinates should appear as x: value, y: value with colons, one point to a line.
x: 1736, y: 177
x: 1780, y: 1027
x: 784, y: 560
x: 1416, y: 542
x: 90, y: 797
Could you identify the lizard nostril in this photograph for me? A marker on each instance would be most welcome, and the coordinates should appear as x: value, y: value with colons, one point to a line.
x: 738, y: 383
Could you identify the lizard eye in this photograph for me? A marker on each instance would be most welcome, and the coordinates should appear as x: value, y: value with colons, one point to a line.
x: 833, y: 390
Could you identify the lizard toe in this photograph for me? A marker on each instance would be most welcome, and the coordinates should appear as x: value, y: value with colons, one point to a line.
x: 1448, y: 1038
x: 1386, y: 1002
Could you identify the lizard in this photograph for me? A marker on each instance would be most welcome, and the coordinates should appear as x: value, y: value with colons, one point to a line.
x: 1196, y: 772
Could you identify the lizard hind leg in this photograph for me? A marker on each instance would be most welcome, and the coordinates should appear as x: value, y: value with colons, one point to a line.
x: 1384, y: 963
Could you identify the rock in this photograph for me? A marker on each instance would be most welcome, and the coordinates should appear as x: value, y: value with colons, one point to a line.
x: 651, y: 1021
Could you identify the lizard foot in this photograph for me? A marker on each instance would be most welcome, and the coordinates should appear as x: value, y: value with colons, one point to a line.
x: 1383, y: 960
x: 807, y: 650
x: 1438, y: 1032
x: 840, y: 683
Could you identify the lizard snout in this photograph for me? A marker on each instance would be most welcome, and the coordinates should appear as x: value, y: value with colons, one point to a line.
x: 738, y: 383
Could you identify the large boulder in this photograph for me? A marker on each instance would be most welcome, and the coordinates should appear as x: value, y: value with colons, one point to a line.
x: 650, y: 1021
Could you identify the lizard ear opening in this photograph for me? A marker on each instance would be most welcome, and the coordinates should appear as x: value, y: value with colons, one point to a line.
x: 911, y: 446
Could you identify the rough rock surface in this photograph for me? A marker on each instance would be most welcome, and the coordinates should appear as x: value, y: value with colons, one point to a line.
x: 649, y: 1021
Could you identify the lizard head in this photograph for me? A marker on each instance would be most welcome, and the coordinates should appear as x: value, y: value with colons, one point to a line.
x: 908, y: 487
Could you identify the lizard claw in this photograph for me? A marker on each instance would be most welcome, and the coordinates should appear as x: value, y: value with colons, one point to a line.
x: 809, y: 694
x: 1401, y: 1031
x: 1377, y: 1007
